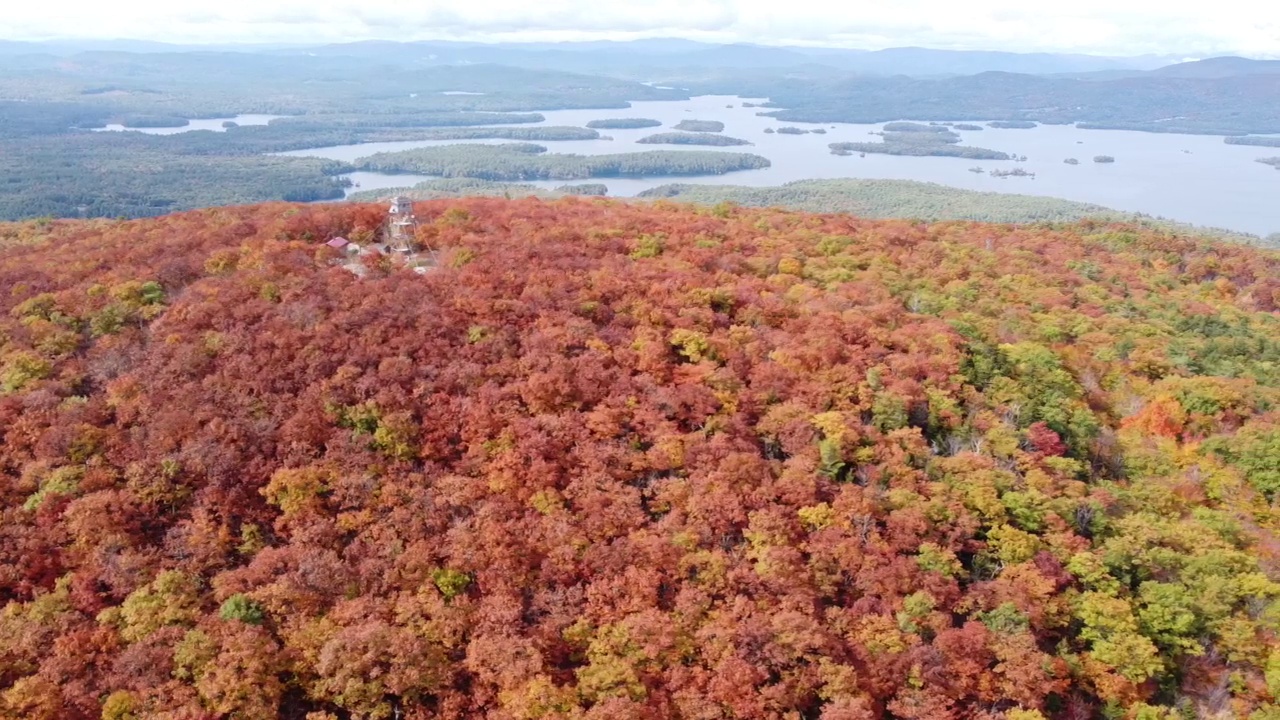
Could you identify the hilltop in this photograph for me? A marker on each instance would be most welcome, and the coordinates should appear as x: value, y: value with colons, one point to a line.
x: 625, y: 460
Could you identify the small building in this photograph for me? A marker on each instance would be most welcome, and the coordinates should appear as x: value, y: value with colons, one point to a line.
x: 338, y: 243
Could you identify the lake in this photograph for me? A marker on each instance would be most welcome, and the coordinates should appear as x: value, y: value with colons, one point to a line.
x: 1197, y: 179
x: 214, y: 124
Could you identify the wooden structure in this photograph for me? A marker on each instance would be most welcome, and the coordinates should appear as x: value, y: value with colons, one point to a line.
x: 402, y: 226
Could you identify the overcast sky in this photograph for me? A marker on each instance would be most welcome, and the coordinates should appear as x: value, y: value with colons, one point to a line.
x: 1110, y: 27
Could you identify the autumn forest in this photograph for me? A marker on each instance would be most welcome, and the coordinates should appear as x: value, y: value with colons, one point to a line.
x: 621, y: 460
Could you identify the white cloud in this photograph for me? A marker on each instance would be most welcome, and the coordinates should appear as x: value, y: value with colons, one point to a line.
x: 1114, y: 27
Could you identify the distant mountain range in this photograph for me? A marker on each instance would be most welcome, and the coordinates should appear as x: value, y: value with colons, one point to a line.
x: 649, y: 55
x: 634, y: 58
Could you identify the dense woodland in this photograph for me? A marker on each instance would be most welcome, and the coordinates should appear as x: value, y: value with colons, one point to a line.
x: 692, y: 138
x: 527, y: 161
x: 636, y: 461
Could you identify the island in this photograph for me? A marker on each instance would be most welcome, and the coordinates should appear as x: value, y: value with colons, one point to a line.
x: 1012, y: 124
x: 541, y: 132
x: 1016, y: 172
x: 911, y: 127
x: 623, y: 123
x: 153, y: 121
x: 1071, y: 161
x: 1272, y: 161
x: 527, y: 161
x: 691, y: 138
x: 915, y: 139
x: 1103, y: 159
x: 1259, y: 141
x: 967, y: 126
x: 792, y: 131
x: 590, y: 189
x: 700, y: 125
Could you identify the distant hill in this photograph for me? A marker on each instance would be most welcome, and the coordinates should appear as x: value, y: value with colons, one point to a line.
x: 1219, y: 67
x: 925, y: 61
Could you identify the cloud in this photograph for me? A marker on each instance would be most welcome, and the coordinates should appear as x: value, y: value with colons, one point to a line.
x: 1125, y: 27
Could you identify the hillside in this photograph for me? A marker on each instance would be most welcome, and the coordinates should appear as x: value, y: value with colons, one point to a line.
x: 1219, y: 67
x: 636, y: 460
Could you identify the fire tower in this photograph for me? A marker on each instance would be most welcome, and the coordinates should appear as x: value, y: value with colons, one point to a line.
x: 402, y: 226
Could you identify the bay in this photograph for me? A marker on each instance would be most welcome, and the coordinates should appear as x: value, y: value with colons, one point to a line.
x: 1197, y: 179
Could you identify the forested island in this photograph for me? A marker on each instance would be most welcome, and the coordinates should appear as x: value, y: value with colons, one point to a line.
x: 914, y: 127
x: 1103, y: 159
x: 621, y: 461
x: 918, y: 150
x: 692, y: 138
x: 153, y: 121
x: 1272, y: 161
x: 522, y: 161
x: 915, y: 139
x: 713, y: 126
x: 1253, y: 140
x: 789, y: 130
x: 623, y: 123
x: 538, y: 132
x: 967, y: 126
x: 585, y: 189
x: 1012, y: 124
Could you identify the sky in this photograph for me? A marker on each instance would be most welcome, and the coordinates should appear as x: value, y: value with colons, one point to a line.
x: 1102, y: 27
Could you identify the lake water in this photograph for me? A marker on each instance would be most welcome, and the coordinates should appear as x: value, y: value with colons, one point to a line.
x: 1192, y: 178
x: 214, y: 124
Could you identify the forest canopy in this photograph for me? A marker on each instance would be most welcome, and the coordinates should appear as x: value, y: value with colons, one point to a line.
x: 616, y: 460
